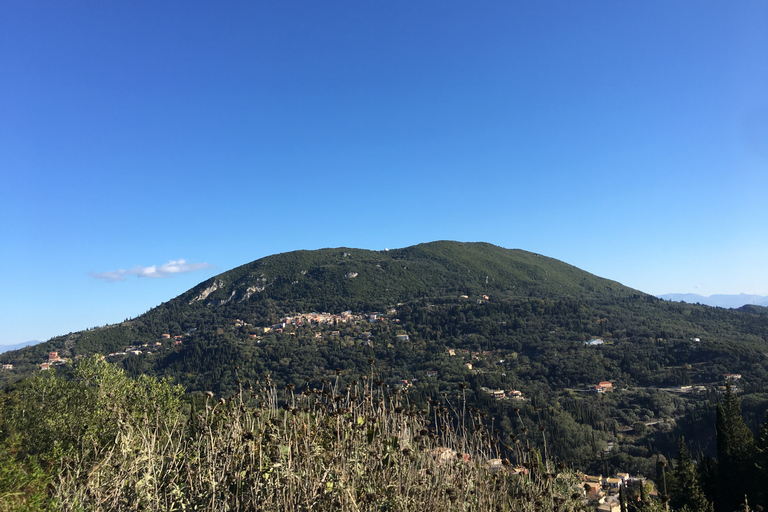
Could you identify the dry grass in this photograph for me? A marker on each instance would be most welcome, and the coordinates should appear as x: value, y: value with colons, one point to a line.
x: 347, y: 446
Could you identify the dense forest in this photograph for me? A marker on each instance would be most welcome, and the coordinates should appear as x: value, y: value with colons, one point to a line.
x: 526, y: 339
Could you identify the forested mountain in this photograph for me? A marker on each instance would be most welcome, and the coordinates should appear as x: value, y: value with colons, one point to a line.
x: 524, y: 337
x: 336, y: 279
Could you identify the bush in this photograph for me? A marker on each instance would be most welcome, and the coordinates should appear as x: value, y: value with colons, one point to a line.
x: 23, y: 486
x: 60, y: 413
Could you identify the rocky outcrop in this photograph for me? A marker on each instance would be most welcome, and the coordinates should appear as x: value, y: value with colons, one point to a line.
x: 205, y: 293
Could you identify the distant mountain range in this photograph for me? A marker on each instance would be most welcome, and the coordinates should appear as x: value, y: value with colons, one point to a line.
x: 719, y: 300
x: 16, y: 346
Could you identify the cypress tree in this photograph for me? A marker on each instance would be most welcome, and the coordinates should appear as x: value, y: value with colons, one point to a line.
x: 686, y: 491
x: 760, y: 483
x: 708, y: 477
x: 734, y: 453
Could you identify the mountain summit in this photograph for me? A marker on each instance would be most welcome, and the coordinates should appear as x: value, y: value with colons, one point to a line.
x: 343, y: 277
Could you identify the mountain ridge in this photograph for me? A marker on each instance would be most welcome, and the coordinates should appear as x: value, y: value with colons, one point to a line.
x: 720, y: 300
x: 440, y: 267
x: 17, y: 346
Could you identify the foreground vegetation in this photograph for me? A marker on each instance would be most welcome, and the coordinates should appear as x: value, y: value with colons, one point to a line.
x: 91, y: 438
x: 113, y: 443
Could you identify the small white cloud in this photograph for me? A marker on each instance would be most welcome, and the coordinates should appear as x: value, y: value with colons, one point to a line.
x: 170, y: 268
x: 114, y: 275
x: 165, y: 270
x: 150, y: 271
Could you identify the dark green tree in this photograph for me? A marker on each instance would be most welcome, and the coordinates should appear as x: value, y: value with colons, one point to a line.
x: 761, y: 463
x: 734, y: 453
x: 708, y: 477
x: 686, y: 492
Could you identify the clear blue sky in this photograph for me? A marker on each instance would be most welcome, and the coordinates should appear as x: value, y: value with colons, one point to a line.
x: 627, y: 138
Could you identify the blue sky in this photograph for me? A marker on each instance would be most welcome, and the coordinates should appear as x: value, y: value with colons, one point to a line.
x: 147, y: 146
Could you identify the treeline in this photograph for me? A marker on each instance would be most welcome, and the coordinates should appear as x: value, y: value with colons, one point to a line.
x: 736, y: 480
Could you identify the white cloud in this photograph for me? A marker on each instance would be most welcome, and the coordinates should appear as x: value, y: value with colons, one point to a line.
x: 164, y: 270
x: 112, y: 276
x: 168, y: 269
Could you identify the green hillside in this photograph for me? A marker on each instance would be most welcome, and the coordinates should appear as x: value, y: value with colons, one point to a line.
x: 335, y: 280
x: 323, y: 279
x: 444, y: 319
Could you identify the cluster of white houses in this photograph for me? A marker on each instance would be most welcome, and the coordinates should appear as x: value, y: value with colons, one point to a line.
x: 327, y: 319
x: 53, y: 359
x: 137, y: 350
x: 331, y: 319
x: 605, y: 490
x: 500, y: 394
x: 597, y: 490
x: 317, y: 319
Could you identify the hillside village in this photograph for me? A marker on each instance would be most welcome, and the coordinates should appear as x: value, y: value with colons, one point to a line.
x: 346, y: 328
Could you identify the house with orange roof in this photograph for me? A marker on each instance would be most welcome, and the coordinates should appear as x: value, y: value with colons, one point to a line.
x: 604, y: 387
